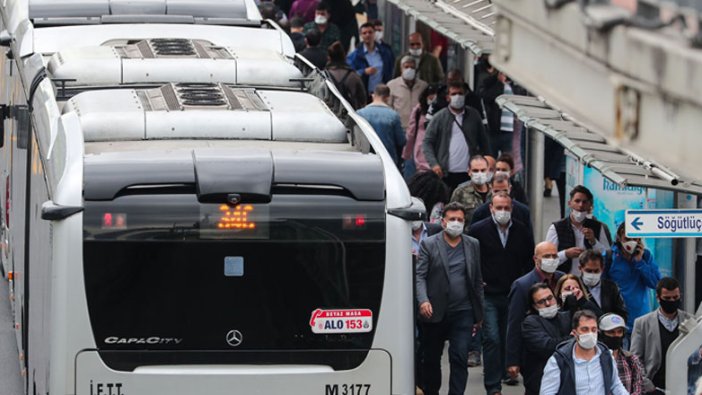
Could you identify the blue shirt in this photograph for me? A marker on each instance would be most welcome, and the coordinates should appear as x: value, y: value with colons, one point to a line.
x: 374, y: 60
x: 634, y: 280
x: 589, y: 379
x: 388, y: 127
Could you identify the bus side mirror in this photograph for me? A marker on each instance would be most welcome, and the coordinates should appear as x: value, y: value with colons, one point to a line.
x: 414, y: 212
x: 51, y: 211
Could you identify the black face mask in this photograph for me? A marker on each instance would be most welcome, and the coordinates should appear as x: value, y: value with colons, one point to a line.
x: 614, y: 343
x: 669, y: 306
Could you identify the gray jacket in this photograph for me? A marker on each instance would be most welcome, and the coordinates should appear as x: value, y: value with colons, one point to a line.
x: 646, y: 343
x: 438, y: 136
x: 433, y: 276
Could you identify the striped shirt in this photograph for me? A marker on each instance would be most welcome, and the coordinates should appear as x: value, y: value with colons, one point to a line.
x: 507, y: 119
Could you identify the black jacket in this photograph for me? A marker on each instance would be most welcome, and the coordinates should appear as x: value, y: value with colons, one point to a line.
x: 500, y: 265
x: 540, y: 337
x: 611, y: 300
x: 316, y: 55
x: 490, y: 89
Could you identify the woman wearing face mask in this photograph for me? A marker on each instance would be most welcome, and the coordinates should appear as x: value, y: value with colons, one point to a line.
x: 416, y: 130
x: 635, y: 271
x: 572, y: 295
x: 631, y: 371
x: 542, y: 330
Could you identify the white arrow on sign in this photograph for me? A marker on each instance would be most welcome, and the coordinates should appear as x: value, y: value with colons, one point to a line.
x: 663, y: 223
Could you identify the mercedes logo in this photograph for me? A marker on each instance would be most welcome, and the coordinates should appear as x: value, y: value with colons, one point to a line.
x: 234, y: 338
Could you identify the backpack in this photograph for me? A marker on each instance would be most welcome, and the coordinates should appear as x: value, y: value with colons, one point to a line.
x: 341, y: 86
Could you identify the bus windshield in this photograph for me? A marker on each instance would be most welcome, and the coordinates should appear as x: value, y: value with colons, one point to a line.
x: 252, y: 283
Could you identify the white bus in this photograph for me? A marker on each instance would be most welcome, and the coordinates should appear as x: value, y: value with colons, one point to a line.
x: 203, y: 236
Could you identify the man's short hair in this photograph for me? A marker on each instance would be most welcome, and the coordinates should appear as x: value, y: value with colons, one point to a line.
x: 366, y: 25
x: 408, y: 59
x: 313, y: 37
x: 297, y: 22
x: 500, y: 178
x: 456, y: 85
x: 377, y: 22
x: 668, y: 283
x: 453, y: 206
x: 589, y: 256
x: 381, y: 90
x: 583, y: 190
x: 322, y: 6
x: 501, y: 194
x: 507, y: 158
x: 477, y: 157
x: 580, y: 314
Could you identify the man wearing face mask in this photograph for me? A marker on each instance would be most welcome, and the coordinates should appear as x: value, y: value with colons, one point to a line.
x: 577, y: 233
x: 371, y: 62
x: 604, y: 293
x: 542, y: 331
x: 450, y: 297
x: 428, y: 66
x: 501, y: 183
x: 635, y: 271
x: 405, y: 90
x: 506, y: 246
x: 629, y: 367
x: 654, y: 333
x: 472, y: 194
x: 582, y: 366
x: 330, y: 32
x: 454, y: 135
x: 545, y: 264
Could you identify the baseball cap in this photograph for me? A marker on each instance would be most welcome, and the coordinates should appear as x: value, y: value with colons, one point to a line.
x: 611, y: 321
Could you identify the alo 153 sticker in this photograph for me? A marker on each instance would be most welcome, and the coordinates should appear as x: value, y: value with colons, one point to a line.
x: 341, y: 321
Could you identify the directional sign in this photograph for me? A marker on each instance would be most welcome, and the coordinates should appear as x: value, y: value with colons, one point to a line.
x: 663, y: 223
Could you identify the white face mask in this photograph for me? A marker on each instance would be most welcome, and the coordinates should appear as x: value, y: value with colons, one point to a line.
x: 409, y: 74
x: 549, y: 312
x: 379, y: 35
x: 578, y: 216
x: 454, y: 228
x: 549, y: 265
x: 503, y: 173
x: 489, y: 176
x: 416, y: 225
x: 502, y: 217
x: 320, y: 19
x: 415, y: 51
x: 591, y: 279
x: 587, y: 340
x: 478, y: 178
x: 630, y: 246
x: 458, y: 102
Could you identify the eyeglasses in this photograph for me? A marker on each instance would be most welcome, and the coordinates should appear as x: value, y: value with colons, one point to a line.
x: 542, y: 302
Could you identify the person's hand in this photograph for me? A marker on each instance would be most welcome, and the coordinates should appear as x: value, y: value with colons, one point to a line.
x: 476, y: 328
x: 578, y: 293
x: 513, y: 371
x: 370, y: 70
x: 437, y: 169
x: 589, y: 235
x: 502, y: 77
x: 425, y: 310
x: 573, y: 252
x: 638, y: 253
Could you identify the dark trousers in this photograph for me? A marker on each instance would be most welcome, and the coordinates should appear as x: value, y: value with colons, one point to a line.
x: 454, y: 179
x: 500, y: 143
x: 494, y: 338
x: 456, y: 327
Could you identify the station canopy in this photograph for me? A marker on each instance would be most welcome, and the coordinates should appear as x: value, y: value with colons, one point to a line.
x: 469, y: 23
x: 621, y: 167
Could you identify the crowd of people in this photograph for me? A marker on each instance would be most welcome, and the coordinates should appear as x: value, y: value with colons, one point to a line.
x: 571, y: 314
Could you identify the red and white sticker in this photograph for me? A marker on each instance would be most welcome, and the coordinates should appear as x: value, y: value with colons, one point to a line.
x: 341, y: 321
